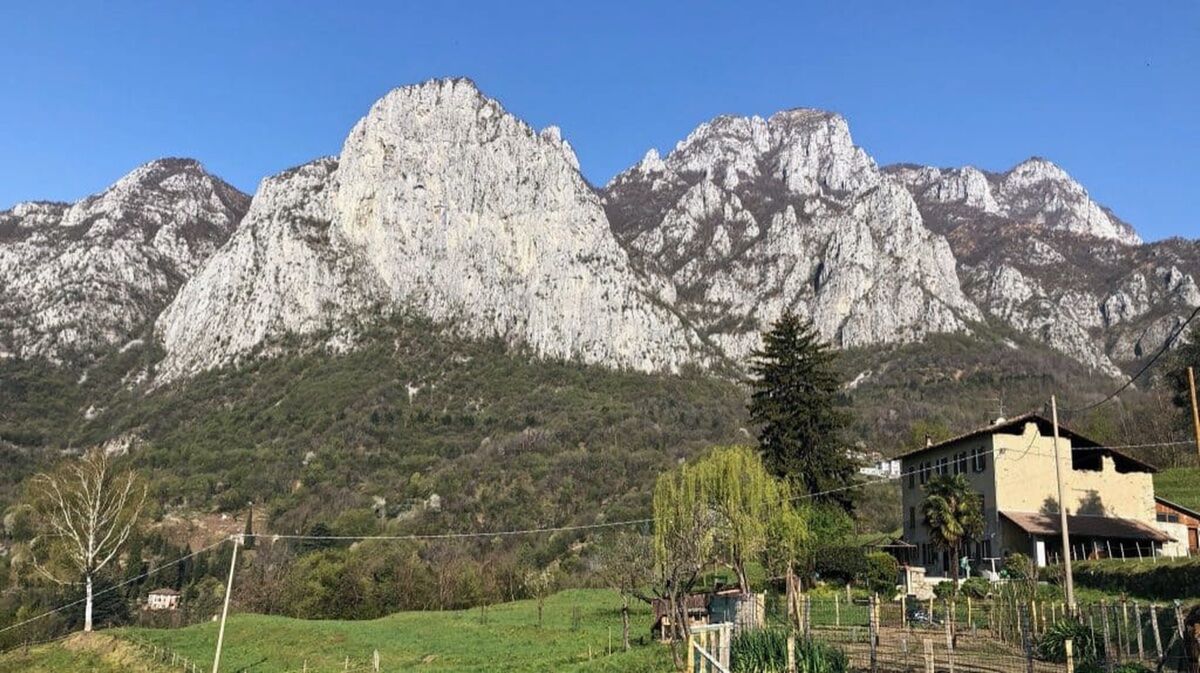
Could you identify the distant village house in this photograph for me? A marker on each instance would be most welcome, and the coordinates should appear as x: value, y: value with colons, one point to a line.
x: 162, y: 599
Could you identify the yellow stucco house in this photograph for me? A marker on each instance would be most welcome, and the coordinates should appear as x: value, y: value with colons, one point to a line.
x: 1010, y: 463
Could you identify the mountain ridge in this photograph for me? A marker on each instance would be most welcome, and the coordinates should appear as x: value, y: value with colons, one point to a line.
x: 443, y: 203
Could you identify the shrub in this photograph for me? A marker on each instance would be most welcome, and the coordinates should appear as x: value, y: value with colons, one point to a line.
x: 881, y: 573
x: 975, y: 587
x: 765, y: 651
x: 1161, y: 580
x: 842, y: 564
x: 1087, y: 650
x: 1017, y: 566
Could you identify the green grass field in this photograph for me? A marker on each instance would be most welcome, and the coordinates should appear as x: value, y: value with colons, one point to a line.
x: 510, y: 640
x: 430, y: 641
x: 1180, y: 485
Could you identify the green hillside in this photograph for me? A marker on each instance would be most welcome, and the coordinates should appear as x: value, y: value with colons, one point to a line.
x: 1179, y: 484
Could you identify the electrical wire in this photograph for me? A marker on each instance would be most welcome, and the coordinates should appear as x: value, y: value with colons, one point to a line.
x: 1166, y: 345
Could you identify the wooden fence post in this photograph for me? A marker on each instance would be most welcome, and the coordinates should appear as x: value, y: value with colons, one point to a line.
x: 1027, y: 637
x: 1108, y: 649
x: 873, y: 631
x: 928, y: 656
x: 791, y: 651
x: 1137, y: 619
x: 903, y: 611
x: 691, y: 653
x: 375, y: 661
x: 1069, y: 645
x: 1125, y: 626
x: 950, y: 643
x: 837, y: 611
x: 726, y: 644
x: 1158, y: 651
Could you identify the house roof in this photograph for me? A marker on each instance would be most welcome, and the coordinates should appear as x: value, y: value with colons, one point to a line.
x: 1036, y: 523
x: 1080, y: 445
x: 164, y: 592
x: 1176, y: 506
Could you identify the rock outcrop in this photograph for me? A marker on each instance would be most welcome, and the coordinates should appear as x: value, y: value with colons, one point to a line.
x: 444, y: 204
x: 749, y: 217
x: 76, y: 279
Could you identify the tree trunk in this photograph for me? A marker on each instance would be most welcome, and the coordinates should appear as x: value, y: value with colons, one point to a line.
x: 743, y: 580
x: 540, y: 602
x: 87, y: 610
x: 953, y: 596
x: 625, y: 623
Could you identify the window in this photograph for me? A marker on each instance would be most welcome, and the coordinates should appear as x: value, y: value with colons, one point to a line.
x: 979, y: 459
x: 912, y: 478
x: 1164, y: 517
x: 924, y: 472
x: 943, y: 466
x: 912, y: 518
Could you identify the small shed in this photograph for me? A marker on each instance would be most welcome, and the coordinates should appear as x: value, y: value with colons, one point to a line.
x: 697, y: 612
x: 162, y: 599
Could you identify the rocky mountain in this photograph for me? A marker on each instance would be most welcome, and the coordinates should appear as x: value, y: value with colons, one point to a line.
x: 78, y: 278
x: 749, y: 217
x: 444, y: 206
x: 1036, y: 253
x: 440, y: 203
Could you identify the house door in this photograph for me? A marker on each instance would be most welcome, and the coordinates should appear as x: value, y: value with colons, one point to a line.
x: 1040, y: 552
x: 1193, y: 539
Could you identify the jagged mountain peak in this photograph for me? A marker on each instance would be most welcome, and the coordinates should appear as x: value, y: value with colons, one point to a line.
x: 441, y: 202
x: 77, y: 278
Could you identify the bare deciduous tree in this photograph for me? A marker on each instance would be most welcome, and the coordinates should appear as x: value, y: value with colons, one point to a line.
x: 87, y: 511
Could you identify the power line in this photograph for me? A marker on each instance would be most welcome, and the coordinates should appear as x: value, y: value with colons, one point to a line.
x: 115, y: 586
x: 456, y: 536
x: 1166, y: 345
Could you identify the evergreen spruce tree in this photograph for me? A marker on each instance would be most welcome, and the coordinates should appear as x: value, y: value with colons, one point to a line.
x: 798, y: 405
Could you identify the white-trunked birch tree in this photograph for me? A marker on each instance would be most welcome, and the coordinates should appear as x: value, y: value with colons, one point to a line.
x: 87, y: 510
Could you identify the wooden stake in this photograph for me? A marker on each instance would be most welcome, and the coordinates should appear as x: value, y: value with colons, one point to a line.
x: 1158, y: 651
x: 1069, y: 646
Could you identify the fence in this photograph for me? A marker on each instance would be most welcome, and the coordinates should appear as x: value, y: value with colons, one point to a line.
x: 1007, y: 634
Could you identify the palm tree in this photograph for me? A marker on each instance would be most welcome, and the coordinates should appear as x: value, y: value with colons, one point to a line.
x: 953, y: 513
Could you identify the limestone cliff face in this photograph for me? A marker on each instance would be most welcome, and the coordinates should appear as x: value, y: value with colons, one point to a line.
x: 78, y: 278
x: 442, y: 203
x: 1036, y: 253
x: 749, y: 217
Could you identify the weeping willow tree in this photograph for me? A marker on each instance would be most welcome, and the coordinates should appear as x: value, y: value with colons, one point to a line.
x: 724, y: 509
x: 747, y: 504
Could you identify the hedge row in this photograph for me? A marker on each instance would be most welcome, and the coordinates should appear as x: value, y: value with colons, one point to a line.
x: 1160, y: 580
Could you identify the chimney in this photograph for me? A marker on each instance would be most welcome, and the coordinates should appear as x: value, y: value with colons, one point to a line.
x: 928, y: 441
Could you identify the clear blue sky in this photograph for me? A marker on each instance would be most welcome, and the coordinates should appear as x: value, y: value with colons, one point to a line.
x: 1112, y: 93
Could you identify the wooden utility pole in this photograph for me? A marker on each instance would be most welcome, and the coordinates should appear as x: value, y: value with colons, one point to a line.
x: 1195, y: 409
x: 1062, y: 511
x: 225, y: 610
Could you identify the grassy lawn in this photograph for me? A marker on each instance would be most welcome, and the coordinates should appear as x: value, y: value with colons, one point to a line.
x: 430, y: 641
x: 1180, y: 485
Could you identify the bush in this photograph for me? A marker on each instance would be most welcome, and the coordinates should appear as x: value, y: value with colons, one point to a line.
x: 844, y: 564
x: 1087, y: 650
x: 1161, y: 580
x: 881, y: 573
x: 1017, y: 566
x: 976, y: 587
x: 765, y: 651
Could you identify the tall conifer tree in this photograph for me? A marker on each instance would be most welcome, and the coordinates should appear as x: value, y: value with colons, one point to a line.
x: 798, y: 405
